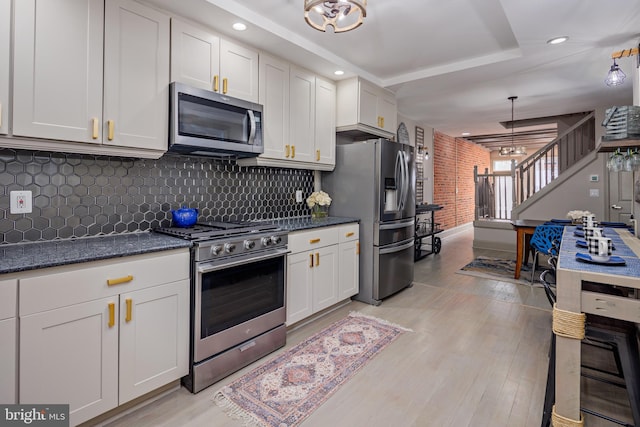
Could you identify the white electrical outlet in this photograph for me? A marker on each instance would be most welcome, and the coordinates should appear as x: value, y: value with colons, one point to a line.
x: 299, y: 196
x: 20, y: 202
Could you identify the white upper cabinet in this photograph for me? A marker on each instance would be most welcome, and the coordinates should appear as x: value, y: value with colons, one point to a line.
x: 300, y: 117
x: 302, y: 114
x: 274, y: 97
x: 5, y: 45
x: 195, y: 55
x: 325, y: 137
x: 62, y: 49
x: 363, y: 106
x: 136, y: 76
x: 57, y: 84
x: 204, y: 60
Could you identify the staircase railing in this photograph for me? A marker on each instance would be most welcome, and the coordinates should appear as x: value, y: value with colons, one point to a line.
x: 499, y: 192
x: 546, y: 164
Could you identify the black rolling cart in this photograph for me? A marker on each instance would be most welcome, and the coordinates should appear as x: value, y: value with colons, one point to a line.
x: 425, y: 229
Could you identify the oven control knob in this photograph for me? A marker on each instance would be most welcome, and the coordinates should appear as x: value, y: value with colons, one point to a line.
x: 249, y: 244
x: 276, y: 240
x: 266, y: 241
x: 215, y: 250
x: 229, y: 247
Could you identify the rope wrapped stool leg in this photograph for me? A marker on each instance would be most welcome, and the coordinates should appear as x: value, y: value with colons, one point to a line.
x: 560, y: 421
x: 569, y: 325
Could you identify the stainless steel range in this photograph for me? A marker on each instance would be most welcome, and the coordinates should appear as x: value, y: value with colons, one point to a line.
x: 237, y: 294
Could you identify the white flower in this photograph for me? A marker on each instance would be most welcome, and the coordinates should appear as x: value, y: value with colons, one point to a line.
x: 318, y: 198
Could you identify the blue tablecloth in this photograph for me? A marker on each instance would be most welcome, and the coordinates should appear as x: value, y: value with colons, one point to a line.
x: 568, y: 260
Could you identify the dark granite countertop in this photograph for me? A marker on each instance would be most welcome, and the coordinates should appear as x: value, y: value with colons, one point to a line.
x: 306, y: 223
x: 29, y: 256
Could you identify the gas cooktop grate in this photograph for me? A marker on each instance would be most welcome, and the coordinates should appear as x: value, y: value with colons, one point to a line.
x: 212, y: 230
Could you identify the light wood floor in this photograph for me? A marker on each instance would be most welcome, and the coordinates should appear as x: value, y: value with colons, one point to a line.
x: 477, y: 357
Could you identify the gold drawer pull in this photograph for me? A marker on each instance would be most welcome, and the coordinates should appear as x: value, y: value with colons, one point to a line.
x: 128, y: 303
x: 94, y: 133
x: 216, y: 84
x: 119, y: 280
x: 311, y: 260
x: 317, y: 259
x: 349, y: 234
x: 293, y: 151
x: 312, y: 241
x: 224, y: 85
x: 110, y: 128
x: 112, y: 314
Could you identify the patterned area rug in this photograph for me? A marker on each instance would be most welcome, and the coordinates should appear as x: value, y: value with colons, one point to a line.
x: 286, y: 390
x: 500, y: 269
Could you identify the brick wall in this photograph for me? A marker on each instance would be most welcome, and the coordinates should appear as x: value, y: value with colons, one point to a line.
x: 453, y: 162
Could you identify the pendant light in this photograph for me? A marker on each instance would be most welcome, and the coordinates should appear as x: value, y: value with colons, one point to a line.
x: 512, y: 150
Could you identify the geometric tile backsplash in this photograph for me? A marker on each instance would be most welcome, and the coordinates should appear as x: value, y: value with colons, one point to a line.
x: 82, y: 195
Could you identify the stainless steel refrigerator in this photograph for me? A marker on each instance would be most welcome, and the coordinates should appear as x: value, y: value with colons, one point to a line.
x: 374, y: 180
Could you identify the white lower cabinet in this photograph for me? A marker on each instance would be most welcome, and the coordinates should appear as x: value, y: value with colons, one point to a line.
x: 349, y: 261
x: 315, y: 276
x: 98, y: 336
x: 9, y: 340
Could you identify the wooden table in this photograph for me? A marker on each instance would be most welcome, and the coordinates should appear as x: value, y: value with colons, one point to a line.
x: 524, y: 230
x: 570, y: 297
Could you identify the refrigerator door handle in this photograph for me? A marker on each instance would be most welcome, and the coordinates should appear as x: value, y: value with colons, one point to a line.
x: 394, y: 249
x: 399, y: 180
x: 397, y: 225
x: 405, y: 181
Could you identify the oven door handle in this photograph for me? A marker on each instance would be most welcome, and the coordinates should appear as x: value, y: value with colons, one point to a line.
x: 208, y: 267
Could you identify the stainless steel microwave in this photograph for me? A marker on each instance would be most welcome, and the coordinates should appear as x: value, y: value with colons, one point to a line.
x: 206, y: 123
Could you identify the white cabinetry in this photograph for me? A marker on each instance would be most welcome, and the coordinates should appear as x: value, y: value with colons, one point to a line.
x: 62, y: 50
x: 363, y: 106
x: 99, y: 335
x: 204, y: 60
x: 9, y: 340
x: 317, y: 276
x: 300, y: 110
x: 349, y: 256
x: 5, y: 47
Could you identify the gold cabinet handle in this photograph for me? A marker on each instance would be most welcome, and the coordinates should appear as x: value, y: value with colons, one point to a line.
x: 225, y: 85
x: 293, y: 151
x: 129, y: 303
x: 216, y: 85
x: 286, y: 151
x: 112, y: 314
x: 357, y: 248
x: 317, y: 259
x: 349, y: 234
x: 119, y: 280
x: 318, y: 155
x: 311, y: 260
x: 312, y: 241
x: 94, y: 133
x: 110, y: 129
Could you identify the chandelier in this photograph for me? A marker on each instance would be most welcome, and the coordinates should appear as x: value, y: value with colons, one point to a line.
x: 616, y: 76
x: 512, y: 150
x: 341, y: 15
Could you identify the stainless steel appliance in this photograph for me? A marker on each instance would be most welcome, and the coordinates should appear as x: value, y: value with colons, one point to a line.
x: 206, y: 123
x: 238, y: 296
x: 374, y: 180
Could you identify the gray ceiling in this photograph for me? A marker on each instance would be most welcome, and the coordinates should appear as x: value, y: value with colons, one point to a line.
x: 453, y: 64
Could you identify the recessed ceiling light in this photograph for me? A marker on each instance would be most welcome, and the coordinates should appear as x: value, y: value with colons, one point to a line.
x: 239, y: 26
x: 558, y: 40
x: 338, y: 72
x: 466, y: 133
